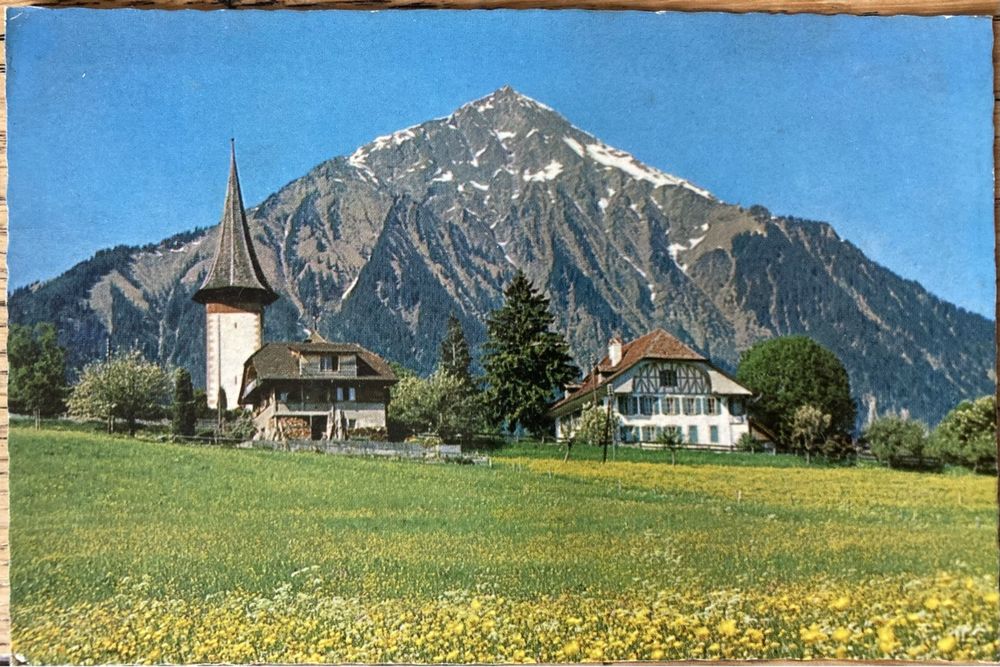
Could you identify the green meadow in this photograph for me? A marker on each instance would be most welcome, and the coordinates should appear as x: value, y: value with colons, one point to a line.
x: 107, y: 528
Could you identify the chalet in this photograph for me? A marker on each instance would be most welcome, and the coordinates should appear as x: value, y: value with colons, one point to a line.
x: 656, y: 383
x: 317, y: 390
x: 314, y: 389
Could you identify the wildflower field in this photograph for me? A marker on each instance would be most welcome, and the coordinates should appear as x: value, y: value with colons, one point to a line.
x: 128, y: 551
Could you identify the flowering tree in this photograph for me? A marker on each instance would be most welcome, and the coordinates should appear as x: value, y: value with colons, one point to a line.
x: 125, y: 387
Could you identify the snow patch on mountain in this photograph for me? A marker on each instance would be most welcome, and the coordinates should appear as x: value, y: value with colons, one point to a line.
x: 547, y: 173
x: 618, y: 159
x: 575, y: 145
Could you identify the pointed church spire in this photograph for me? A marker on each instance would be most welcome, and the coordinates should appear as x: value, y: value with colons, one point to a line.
x: 235, y: 272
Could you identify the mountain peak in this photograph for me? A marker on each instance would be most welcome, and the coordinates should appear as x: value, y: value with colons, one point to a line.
x: 506, y: 100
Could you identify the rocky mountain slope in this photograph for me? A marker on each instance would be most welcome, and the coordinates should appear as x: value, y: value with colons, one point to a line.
x: 380, y: 246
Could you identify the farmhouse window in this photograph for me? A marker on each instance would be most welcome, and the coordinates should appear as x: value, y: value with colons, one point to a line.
x: 713, y: 434
x: 670, y: 406
x: 691, y: 406
x: 628, y: 405
x: 668, y: 377
x: 328, y: 362
x: 711, y: 406
x: 648, y: 433
x: 627, y: 434
x: 736, y: 407
x: 693, y: 435
x: 647, y: 405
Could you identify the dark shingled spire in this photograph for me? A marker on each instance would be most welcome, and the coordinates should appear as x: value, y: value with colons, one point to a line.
x: 235, y: 272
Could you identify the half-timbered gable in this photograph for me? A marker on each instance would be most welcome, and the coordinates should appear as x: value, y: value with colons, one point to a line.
x: 654, y: 384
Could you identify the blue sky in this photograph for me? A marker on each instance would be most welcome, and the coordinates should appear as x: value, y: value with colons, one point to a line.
x: 119, y: 121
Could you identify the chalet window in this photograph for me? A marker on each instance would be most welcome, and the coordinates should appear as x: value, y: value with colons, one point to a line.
x: 713, y: 434
x: 340, y: 394
x: 351, y: 423
x: 647, y: 405
x: 711, y: 406
x: 628, y: 405
x: 692, y: 406
x: 736, y: 407
x: 283, y: 396
x: 693, y: 435
x: 328, y: 363
x: 351, y: 396
x: 668, y: 377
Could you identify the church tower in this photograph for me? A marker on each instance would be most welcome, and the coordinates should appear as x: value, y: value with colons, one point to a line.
x: 235, y: 293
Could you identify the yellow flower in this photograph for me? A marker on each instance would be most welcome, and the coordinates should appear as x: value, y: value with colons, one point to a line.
x: 571, y: 649
x: 947, y: 644
x: 931, y: 603
x: 841, y: 635
x: 841, y: 603
x: 727, y: 628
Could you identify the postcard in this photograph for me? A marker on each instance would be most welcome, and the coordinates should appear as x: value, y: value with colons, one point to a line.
x: 500, y: 337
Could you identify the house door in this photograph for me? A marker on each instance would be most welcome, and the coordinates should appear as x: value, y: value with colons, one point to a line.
x: 318, y: 427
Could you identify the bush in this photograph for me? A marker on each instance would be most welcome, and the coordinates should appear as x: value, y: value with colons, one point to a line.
x: 596, y: 426
x: 894, y: 439
x: 967, y: 435
x: 747, y: 443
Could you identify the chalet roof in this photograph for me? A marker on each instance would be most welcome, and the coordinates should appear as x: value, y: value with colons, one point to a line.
x: 280, y: 361
x: 657, y: 344
x: 235, y: 272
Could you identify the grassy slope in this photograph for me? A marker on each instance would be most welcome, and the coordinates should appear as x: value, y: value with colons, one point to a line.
x: 88, y: 510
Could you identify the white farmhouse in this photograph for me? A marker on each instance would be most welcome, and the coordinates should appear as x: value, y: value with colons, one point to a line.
x: 655, y: 383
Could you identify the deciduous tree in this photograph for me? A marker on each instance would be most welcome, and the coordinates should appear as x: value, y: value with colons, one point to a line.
x: 37, y: 381
x: 808, y: 429
x: 893, y: 438
x: 439, y: 404
x: 967, y: 435
x: 787, y: 373
x: 124, y: 387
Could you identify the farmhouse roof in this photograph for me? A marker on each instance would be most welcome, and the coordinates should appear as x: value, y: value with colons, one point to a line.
x: 657, y: 344
x: 235, y: 272
x: 280, y: 361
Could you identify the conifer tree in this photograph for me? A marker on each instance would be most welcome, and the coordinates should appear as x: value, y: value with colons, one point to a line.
x: 455, y: 357
x: 184, y: 411
x: 525, y: 361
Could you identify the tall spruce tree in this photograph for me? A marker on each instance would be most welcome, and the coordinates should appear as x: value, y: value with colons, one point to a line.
x: 525, y: 361
x: 184, y: 409
x: 455, y: 357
